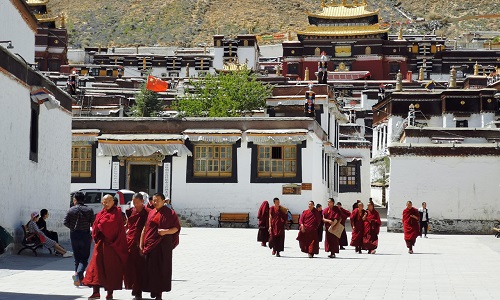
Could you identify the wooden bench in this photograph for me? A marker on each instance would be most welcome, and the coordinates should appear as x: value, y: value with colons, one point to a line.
x: 30, y: 241
x: 243, y: 218
x: 497, y: 231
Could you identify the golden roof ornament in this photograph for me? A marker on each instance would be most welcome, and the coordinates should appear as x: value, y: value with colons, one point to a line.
x: 399, y: 82
x: 476, y: 69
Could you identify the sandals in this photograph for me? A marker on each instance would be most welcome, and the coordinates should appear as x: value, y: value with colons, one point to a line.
x: 331, y: 256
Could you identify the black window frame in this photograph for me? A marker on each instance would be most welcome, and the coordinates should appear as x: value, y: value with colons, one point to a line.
x: 254, y: 166
x: 93, y: 177
x: 356, y: 188
x: 34, y: 130
x: 190, y: 178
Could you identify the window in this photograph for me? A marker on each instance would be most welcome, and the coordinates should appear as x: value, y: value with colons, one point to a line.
x: 277, y: 161
x: 35, y: 110
x: 349, y: 177
x: 81, y: 161
x: 462, y: 123
x: 213, y: 160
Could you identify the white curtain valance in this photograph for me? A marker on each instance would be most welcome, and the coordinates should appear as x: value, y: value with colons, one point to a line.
x: 219, y: 139
x: 276, y: 139
x: 123, y: 149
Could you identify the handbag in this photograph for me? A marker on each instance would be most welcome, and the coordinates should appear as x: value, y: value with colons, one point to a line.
x: 336, y: 230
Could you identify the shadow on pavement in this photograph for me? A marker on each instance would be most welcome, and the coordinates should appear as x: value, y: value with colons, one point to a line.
x: 27, y: 261
x: 23, y: 296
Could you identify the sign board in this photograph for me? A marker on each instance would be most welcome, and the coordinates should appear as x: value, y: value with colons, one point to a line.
x: 166, y: 180
x: 291, y: 189
x: 307, y: 186
x: 115, y: 175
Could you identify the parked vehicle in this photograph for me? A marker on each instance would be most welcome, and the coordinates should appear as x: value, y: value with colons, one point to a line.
x: 93, y: 197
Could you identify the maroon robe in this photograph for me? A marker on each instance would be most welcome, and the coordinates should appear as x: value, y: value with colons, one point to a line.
x: 411, y: 226
x: 157, y: 250
x: 135, y: 261
x: 331, y: 241
x: 110, y: 251
x: 372, y: 229
x: 263, y: 216
x: 308, y: 240
x: 358, y: 228
x: 345, y: 214
x: 277, y: 235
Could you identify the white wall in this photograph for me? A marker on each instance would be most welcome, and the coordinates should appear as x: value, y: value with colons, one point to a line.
x: 364, y: 154
x: 103, y: 175
x: 462, y: 193
x: 33, y: 186
x: 202, y: 202
x: 15, y: 29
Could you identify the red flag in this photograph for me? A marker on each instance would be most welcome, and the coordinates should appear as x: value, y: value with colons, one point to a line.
x: 156, y: 85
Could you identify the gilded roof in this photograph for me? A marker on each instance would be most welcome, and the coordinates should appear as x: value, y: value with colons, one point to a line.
x: 344, y: 12
x: 343, y: 30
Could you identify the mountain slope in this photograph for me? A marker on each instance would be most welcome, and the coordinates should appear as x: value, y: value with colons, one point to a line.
x: 189, y: 22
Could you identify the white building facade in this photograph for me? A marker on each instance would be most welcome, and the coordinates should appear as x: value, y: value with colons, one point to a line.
x: 36, y: 131
x: 207, y: 166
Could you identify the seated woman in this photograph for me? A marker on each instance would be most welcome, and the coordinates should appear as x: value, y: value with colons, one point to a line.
x: 49, y: 243
x: 44, y: 214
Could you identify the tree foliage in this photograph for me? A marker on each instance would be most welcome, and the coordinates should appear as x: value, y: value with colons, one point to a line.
x: 147, y: 104
x: 232, y: 94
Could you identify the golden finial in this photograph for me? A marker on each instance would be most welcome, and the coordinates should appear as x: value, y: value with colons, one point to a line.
x: 344, y: 2
x: 306, y: 74
x: 365, y: 3
x: 421, y: 74
x: 289, y: 35
x: 323, y: 3
x: 476, y: 69
x: 400, y: 33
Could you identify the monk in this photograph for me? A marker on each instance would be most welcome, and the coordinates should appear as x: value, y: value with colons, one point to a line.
x: 319, y: 207
x: 372, y: 229
x: 158, y: 239
x: 345, y: 214
x: 277, y: 222
x: 263, y: 217
x: 308, y: 230
x: 137, y: 216
x: 331, y: 216
x: 110, y: 250
x: 358, y: 227
x: 411, y: 225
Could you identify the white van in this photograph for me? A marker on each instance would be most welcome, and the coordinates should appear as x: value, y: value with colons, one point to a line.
x: 93, y: 198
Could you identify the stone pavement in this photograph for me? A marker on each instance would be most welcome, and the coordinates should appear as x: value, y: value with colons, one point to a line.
x: 228, y: 263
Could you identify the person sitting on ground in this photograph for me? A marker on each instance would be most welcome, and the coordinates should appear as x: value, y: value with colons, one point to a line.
x: 44, y: 214
x: 48, y: 243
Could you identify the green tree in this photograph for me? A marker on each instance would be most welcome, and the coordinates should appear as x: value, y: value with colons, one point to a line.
x: 147, y: 104
x: 230, y: 94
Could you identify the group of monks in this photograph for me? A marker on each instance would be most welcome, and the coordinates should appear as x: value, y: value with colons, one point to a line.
x: 135, y: 250
x: 314, y: 220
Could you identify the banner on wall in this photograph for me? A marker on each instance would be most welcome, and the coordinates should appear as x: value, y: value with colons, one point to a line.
x: 115, y: 175
x: 166, y: 179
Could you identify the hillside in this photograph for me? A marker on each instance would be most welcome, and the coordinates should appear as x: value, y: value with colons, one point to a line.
x: 189, y: 22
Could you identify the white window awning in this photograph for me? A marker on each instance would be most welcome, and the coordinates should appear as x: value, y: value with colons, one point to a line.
x: 84, y: 135
x: 141, y: 144
x: 276, y: 136
x: 219, y: 136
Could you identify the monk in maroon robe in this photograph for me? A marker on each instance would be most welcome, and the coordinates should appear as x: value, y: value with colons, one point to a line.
x: 372, y: 229
x: 319, y: 207
x: 345, y: 214
x: 411, y: 225
x: 135, y: 261
x: 263, y: 217
x: 110, y: 250
x: 159, y: 238
x: 331, y: 216
x: 277, y: 222
x: 358, y: 227
x: 308, y: 230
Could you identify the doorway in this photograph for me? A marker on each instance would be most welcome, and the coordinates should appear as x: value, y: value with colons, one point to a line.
x: 142, y: 178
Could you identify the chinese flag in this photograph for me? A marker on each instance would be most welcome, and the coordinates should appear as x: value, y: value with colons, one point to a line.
x: 156, y: 85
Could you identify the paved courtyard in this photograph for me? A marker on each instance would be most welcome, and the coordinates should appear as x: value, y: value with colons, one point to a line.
x: 228, y: 263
